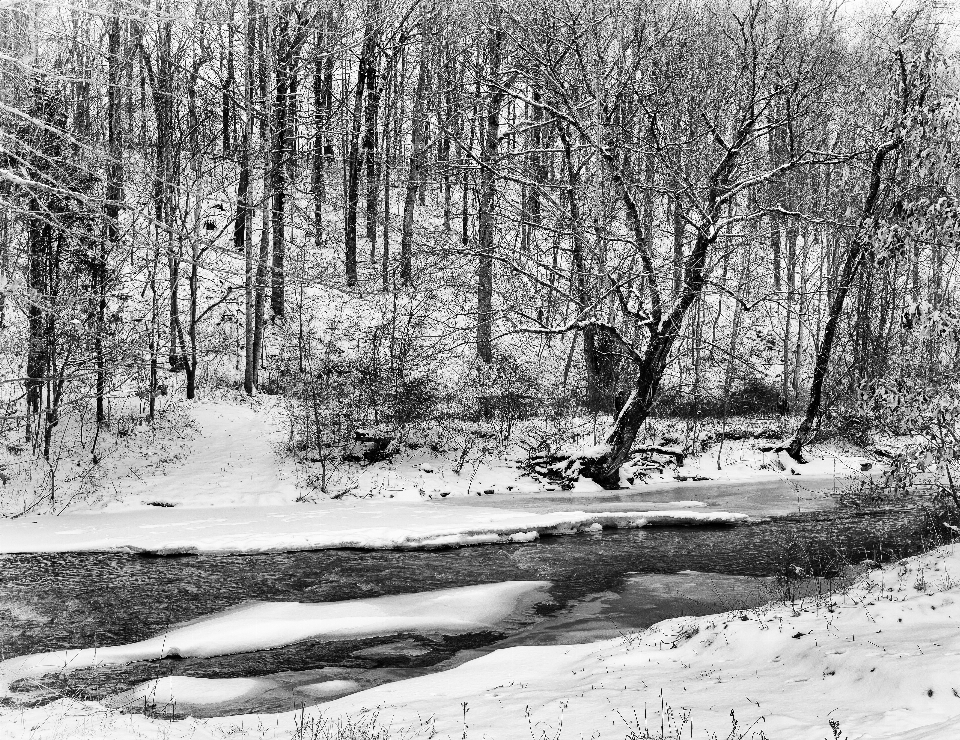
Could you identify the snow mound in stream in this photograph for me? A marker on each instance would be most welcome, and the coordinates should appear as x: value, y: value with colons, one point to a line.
x: 190, y: 691
x: 266, y: 625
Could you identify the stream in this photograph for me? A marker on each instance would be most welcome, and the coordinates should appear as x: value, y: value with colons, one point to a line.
x: 602, y: 584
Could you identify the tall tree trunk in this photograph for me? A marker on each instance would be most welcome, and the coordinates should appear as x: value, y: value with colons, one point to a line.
x: 371, y: 115
x: 242, y: 227
x: 281, y: 152
x: 166, y: 178
x: 229, y: 83
x: 318, y: 161
x: 416, y: 162
x: 532, y: 208
x: 353, y: 159
x: 114, y: 193
x: 579, y: 275
x: 39, y: 236
x: 386, y: 163
x: 848, y: 275
x: 445, y: 145
x: 266, y: 137
x: 486, y: 225
x: 776, y: 147
x: 790, y: 232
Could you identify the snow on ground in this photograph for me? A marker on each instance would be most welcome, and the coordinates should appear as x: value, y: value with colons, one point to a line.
x: 231, y: 451
x: 232, y: 461
x: 331, y: 524
x: 227, y: 487
x: 881, y: 660
x: 266, y: 625
x: 465, y: 466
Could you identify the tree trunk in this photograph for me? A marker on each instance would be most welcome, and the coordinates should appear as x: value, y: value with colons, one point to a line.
x: 417, y: 156
x: 229, y: 82
x: 353, y: 160
x: 266, y: 137
x: 242, y: 228
x: 646, y: 382
x: 848, y: 275
x: 486, y: 236
x: 320, y: 122
x: 371, y: 115
x: 385, y: 164
x: 281, y: 155
x: 113, y: 193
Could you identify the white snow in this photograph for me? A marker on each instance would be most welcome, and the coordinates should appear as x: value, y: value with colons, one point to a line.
x: 881, y: 660
x: 229, y: 491
x: 265, y: 625
x: 330, y: 524
x: 232, y: 461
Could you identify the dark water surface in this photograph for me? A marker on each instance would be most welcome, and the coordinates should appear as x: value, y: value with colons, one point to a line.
x: 77, y: 600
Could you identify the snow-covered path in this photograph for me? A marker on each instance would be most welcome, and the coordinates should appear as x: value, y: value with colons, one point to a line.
x: 232, y: 461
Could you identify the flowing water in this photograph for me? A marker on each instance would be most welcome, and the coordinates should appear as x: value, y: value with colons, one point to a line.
x: 602, y: 585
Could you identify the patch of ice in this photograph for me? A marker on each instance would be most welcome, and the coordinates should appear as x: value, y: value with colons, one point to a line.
x: 329, y: 688
x: 189, y: 691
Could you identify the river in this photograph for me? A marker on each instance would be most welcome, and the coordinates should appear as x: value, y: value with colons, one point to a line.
x: 602, y: 585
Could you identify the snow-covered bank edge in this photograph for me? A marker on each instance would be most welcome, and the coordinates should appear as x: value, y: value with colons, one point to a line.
x: 335, y: 525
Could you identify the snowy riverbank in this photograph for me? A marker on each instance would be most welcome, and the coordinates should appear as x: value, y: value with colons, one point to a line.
x: 332, y: 524
x: 878, y: 661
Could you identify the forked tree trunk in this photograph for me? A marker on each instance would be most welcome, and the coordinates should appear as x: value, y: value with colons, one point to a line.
x: 649, y: 371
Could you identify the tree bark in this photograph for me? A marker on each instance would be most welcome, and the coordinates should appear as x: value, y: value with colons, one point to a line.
x: 371, y: 115
x: 353, y: 160
x: 281, y: 154
x: 416, y: 163
x: 486, y: 224
x: 242, y: 227
x: 113, y: 193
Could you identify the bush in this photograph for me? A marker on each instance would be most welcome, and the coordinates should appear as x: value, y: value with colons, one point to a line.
x: 414, y: 399
x: 505, y: 391
x: 754, y: 397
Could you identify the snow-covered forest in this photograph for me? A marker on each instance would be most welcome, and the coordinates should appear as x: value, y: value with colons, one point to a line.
x: 390, y: 212
x: 264, y: 253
